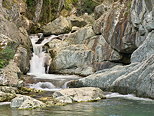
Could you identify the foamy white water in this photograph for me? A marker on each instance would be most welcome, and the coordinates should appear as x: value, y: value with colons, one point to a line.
x: 129, y: 96
x: 38, y: 59
x: 47, y: 86
x: 37, y: 68
x: 4, y: 103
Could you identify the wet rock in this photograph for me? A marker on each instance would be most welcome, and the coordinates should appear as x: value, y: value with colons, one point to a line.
x: 79, y: 94
x: 6, y: 96
x: 26, y: 102
x: 58, y: 26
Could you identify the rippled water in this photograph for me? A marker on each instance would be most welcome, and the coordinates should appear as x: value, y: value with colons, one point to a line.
x: 107, y: 107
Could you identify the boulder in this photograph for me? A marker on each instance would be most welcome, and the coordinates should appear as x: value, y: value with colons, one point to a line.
x: 79, y: 94
x: 26, y: 102
x: 22, y: 58
x: 7, y: 89
x: 77, y: 21
x: 64, y: 99
x: 10, y: 75
x: 97, y: 26
x: 136, y: 78
x: 100, y: 9
x: 72, y: 59
x: 81, y: 35
x: 102, y: 50
x: 58, y: 26
x: 6, y: 96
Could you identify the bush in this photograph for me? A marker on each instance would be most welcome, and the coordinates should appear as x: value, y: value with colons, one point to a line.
x: 86, y: 6
x: 6, y: 54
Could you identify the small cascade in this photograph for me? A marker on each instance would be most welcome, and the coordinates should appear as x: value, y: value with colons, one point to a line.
x: 37, y: 62
x: 40, y: 79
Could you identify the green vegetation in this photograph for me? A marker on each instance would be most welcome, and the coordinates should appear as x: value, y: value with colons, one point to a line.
x: 70, y: 3
x: 49, y: 11
x: 31, y: 4
x: 87, y: 6
x: 6, y: 54
x: 7, y: 4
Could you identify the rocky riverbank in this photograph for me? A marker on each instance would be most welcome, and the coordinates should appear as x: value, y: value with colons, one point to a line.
x: 111, y: 46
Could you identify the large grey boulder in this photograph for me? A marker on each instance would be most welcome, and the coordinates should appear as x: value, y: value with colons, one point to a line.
x: 26, y: 102
x: 58, y: 26
x: 72, y: 59
x: 136, y: 78
x: 79, y: 94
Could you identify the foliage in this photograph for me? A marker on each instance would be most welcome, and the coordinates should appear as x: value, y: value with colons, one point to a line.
x: 70, y: 3
x: 6, y: 54
x: 31, y: 4
x: 86, y: 6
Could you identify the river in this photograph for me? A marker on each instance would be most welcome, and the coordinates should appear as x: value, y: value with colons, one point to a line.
x: 114, y: 105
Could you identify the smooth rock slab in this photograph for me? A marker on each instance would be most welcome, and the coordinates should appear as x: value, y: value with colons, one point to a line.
x: 25, y: 102
x: 80, y: 94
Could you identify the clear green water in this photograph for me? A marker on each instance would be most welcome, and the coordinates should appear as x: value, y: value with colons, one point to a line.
x: 108, y: 107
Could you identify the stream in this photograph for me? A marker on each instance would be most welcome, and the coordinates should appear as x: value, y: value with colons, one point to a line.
x: 114, y: 105
x: 39, y: 67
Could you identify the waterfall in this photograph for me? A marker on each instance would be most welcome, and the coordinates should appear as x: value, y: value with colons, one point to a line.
x: 43, y: 81
x: 37, y: 62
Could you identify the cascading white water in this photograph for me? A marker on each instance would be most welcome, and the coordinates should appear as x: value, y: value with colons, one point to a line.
x: 48, y: 82
x: 38, y: 59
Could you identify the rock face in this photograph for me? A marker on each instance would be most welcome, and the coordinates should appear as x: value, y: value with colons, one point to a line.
x: 145, y: 50
x: 26, y: 102
x: 58, y: 26
x: 131, y: 31
x: 135, y: 78
x: 79, y: 94
x: 14, y: 42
